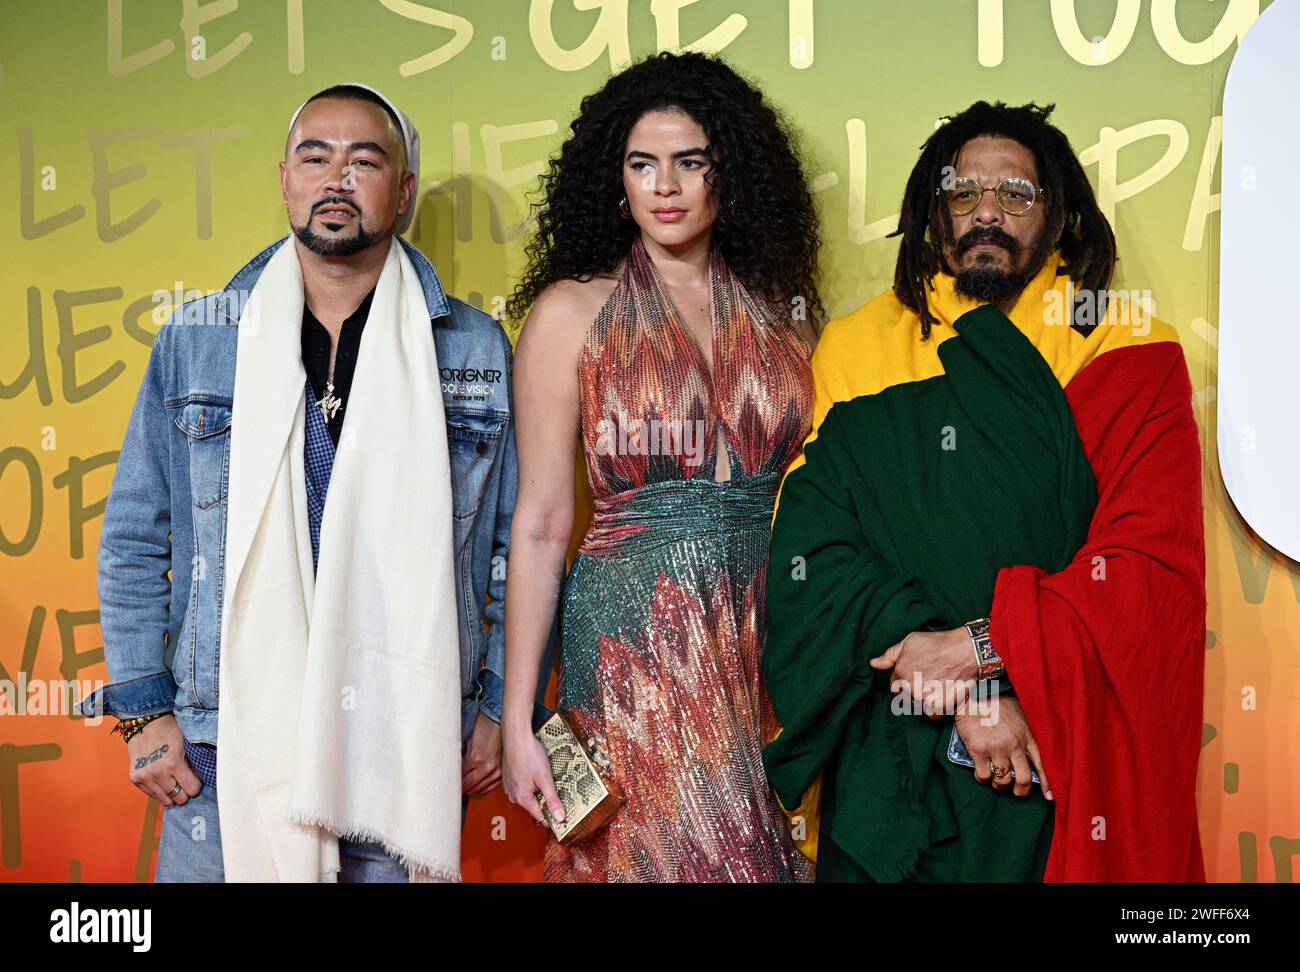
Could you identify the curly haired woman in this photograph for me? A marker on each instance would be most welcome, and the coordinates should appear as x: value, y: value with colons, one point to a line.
x: 671, y: 312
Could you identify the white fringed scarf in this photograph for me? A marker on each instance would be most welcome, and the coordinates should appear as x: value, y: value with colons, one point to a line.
x: 339, y: 694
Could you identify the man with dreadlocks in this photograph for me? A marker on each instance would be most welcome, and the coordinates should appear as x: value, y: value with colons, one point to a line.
x: 1001, y: 488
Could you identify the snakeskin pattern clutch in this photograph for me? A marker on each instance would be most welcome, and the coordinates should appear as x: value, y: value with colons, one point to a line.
x: 590, y: 798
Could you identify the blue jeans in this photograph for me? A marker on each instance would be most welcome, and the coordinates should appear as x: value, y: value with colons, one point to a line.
x: 190, y: 849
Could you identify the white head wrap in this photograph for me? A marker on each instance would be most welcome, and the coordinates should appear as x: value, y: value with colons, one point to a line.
x: 410, y: 136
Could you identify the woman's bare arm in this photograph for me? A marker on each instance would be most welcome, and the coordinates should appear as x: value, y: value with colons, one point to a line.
x: 547, y: 432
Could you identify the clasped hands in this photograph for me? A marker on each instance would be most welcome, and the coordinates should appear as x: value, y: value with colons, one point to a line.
x: 941, y: 666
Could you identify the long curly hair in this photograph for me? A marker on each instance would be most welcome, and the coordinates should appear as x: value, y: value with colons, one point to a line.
x: 767, y: 226
x: 1087, y: 241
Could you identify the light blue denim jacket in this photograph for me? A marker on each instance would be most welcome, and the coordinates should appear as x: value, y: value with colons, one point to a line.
x: 167, y: 508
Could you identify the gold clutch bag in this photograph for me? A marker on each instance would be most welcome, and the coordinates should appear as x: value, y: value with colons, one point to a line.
x: 590, y: 798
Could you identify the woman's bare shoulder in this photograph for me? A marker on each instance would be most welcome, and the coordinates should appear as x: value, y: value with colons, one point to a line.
x: 566, y: 308
x: 808, y: 331
x: 571, y: 295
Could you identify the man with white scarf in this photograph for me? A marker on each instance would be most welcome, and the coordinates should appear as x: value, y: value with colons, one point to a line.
x: 335, y: 634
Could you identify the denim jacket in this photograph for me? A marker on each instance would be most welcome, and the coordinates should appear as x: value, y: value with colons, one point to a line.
x: 166, y: 510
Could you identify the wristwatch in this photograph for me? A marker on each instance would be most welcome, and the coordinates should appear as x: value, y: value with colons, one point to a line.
x: 988, y: 663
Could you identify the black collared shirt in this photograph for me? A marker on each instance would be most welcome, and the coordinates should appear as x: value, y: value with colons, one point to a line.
x: 316, y: 357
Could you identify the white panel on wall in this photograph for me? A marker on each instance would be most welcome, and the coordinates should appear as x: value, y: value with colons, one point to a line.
x: 1259, y: 293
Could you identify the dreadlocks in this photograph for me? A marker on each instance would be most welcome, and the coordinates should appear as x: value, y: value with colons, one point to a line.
x: 1087, y: 242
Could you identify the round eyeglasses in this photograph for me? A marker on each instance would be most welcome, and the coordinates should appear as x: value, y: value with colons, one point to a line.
x: 1015, y: 196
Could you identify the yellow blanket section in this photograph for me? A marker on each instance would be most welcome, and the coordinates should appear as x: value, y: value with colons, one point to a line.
x: 805, y: 819
x: 879, y: 345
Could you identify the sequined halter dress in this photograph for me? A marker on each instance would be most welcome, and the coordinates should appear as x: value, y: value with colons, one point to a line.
x: 663, y: 611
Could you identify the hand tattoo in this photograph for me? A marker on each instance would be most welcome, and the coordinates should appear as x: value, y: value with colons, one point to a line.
x: 152, y: 757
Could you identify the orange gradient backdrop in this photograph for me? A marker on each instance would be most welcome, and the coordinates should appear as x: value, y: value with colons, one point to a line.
x: 139, y: 143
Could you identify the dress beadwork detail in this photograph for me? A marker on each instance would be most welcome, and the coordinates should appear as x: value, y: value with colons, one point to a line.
x: 663, y: 611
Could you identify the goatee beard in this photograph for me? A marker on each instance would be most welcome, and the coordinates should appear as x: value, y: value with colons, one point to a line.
x: 983, y: 282
x: 337, y: 246
x: 988, y: 285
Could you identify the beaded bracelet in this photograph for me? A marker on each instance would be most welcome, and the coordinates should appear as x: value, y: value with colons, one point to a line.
x: 130, y: 728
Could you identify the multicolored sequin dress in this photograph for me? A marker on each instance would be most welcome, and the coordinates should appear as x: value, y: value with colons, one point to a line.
x: 663, y: 611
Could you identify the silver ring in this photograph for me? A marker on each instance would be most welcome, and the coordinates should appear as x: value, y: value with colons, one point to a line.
x: 174, y: 790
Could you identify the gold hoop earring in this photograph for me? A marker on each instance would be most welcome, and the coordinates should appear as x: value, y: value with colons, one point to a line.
x: 623, y: 209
